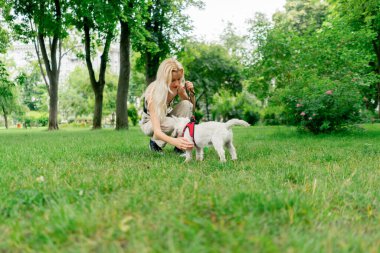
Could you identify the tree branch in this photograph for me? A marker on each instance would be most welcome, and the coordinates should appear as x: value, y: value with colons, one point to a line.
x: 104, y: 57
x: 36, y: 47
x: 45, y: 56
x: 87, y: 46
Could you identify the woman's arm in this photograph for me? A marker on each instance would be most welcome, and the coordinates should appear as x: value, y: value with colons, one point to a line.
x: 179, y: 142
x: 183, y: 94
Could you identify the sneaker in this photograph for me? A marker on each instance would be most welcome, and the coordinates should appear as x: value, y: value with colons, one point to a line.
x: 154, y: 147
x: 180, y: 152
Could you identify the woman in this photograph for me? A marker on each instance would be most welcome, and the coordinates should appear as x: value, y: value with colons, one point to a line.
x: 158, y: 98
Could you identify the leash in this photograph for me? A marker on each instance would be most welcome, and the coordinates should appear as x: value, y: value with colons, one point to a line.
x: 191, y: 100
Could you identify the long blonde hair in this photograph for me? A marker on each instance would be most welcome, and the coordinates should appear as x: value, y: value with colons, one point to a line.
x: 158, y: 90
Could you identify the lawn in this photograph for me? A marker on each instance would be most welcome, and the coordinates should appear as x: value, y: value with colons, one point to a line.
x: 104, y: 191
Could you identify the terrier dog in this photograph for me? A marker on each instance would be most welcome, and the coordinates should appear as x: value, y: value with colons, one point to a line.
x: 213, y: 133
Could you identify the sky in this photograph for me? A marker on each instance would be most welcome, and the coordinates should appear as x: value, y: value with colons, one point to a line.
x: 210, y: 22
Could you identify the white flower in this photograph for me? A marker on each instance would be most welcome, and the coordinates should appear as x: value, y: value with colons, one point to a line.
x: 124, y: 224
x: 40, y: 179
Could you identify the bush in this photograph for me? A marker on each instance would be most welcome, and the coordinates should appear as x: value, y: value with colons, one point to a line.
x: 34, y: 118
x: 133, y: 114
x: 198, y: 116
x: 242, y: 106
x: 368, y: 116
x: 273, y: 116
x: 322, y: 106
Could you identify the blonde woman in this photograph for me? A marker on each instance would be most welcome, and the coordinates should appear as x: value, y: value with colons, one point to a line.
x: 158, y: 99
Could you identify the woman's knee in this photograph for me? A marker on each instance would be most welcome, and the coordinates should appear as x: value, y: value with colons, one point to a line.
x: 186, y: 103
x: 147, y: 129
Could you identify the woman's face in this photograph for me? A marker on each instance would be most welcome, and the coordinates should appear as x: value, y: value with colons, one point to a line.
x: 176, y: 79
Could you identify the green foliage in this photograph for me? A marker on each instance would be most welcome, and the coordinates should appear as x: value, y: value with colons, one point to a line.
x: 4, y: 39
x: 302, y: 16
x: 77, y: 97
x: 243, y: 106
x: 322, y: 105
x: 198, y: 116
x: 234, y: 42
x: 133, y: 114
x: 27, y: 18
x: 272, y: 115
x: 137, y: 81
x: 306, y: 58
x: 33, y: 91
x: 211, y: 69
x: 166, y: 26
x: 35, y: 119
x: 8, y: 93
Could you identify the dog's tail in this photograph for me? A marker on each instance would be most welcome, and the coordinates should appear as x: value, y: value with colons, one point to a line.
x: 236, y: 122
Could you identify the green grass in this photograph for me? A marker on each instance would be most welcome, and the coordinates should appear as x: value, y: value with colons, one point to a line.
x: 104, y: 191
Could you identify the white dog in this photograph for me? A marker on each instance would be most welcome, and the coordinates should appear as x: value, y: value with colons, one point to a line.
x: 209, y: 133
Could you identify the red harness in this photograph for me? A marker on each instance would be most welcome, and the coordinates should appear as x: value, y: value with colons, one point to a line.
x: 191, y: 127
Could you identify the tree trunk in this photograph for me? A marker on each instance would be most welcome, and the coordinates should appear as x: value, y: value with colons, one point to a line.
x: 378, y: 99
x: 207, y: 111
x: 376, y: 47
x: 97, y: 119
x: 97, y: 86
x: 52, y: 66
x: 53, y: 105
x: 52, y: 71
x: 152, y: 63
x: 5, y: 117
x: 123, y: 84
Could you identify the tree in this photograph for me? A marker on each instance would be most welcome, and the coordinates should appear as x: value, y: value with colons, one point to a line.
x: 45, y: 24
x: 166, y: 25
x: 132, y: 33
x: 302, y: 16
x: 76, y: 99
x: 97, y: 21
x: 211, y: 69
x: 7, y: 98
x: 363, y: 15
x: 4, y: 38
x: 8, y: 101
x: 32, y: 88
x: 233, y: 42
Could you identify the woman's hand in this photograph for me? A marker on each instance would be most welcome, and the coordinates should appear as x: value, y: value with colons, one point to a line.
x: 182, y: 143
x: 189, y: 86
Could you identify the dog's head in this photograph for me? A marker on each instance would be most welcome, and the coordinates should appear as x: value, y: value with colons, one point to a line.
x: 179, y: 125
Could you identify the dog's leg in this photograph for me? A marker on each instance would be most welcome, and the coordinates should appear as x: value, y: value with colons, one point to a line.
x: 199, y: 152
x: 188, y: 155
x: 232, y: 150
x: 218, y: 145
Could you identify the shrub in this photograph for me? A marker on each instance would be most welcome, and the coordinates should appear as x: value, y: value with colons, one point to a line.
x: 273, y: 116
x: 198, y: 116
x: 133, y: 114
x: 242, y: 106
x: 322, y: 105
x: 368, y: 116
x: 34, y: 118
